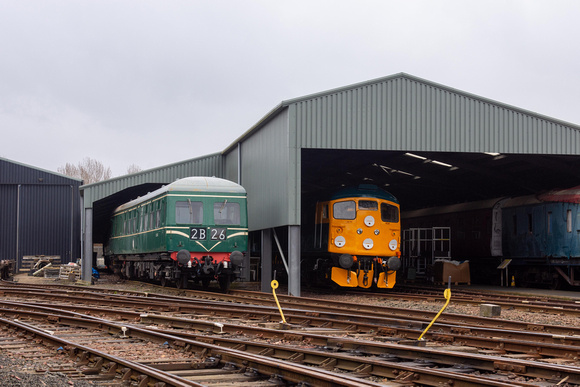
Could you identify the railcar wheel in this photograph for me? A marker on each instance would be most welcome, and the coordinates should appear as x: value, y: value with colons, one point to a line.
x: 163, y: 281
x: 181, y: 282
x: 224, y: 283
x: 205, y: 283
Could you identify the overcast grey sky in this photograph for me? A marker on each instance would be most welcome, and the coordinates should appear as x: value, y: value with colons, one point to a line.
x: 156, y: 82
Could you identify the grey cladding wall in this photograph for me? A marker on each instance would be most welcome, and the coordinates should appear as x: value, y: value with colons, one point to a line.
x: 40, y: 213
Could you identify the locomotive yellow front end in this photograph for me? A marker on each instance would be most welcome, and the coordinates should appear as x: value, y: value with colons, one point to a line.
x: 364, y: 236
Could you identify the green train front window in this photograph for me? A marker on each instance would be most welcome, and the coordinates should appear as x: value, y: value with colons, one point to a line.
x: 226, y: 213
x: 188, y: 212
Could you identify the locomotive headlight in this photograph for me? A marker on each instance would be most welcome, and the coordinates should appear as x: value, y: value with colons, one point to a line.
x: 377, y: 232
x: 359, y: 231
x: 393, y: 244
x: 339, y: 241
x: 368, y: 243
x: 370, y: 221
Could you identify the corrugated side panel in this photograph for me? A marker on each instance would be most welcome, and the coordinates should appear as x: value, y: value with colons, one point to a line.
x: 47, y: 222
x: 265, y: 174
x: 8, y: 216
x: 207, y: 166
x: 231, y: 165
x: 405, y: 114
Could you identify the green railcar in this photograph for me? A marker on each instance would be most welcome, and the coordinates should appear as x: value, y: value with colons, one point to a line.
x: 194, y: 229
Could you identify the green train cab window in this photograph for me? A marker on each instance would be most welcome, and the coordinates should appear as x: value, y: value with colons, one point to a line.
x: 389, y: 213
x: 226, y: 213
x: 368, y: 205
x: 186, y: 212
x: 344, y: 210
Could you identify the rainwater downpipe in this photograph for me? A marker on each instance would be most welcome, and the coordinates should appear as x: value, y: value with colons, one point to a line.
x: 72, y: 219
x: 18, y: 229
x: 239, y: 163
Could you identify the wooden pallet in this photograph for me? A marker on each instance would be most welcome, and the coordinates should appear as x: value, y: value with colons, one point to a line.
x: 68, y: 272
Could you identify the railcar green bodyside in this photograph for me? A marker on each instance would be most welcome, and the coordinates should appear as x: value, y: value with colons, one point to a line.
x: 151, y: 225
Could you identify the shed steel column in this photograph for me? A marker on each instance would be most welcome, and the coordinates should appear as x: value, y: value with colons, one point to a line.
x: 266, y: 260
x: 87, y: 261
x: 294, y: 260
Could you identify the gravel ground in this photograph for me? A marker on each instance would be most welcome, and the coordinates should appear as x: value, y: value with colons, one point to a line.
x: 15, y: 373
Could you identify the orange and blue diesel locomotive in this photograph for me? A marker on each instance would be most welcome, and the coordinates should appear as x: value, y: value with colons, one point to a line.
x: 355, y: 239
x: 194, y: 229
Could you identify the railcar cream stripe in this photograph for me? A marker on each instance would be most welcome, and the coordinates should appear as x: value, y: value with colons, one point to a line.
x: 176, y: 232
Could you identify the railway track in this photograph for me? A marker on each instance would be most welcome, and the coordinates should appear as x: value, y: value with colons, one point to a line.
x: 345, y: 336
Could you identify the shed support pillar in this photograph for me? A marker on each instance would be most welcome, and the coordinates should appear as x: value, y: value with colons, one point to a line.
x: 294, y: 260
x: 87, y: 259
x: 266, y: 260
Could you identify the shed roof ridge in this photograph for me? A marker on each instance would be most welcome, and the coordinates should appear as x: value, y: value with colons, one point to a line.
x: 450, y: 89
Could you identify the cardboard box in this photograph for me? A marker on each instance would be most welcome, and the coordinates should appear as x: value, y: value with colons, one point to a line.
x: 459, y: 272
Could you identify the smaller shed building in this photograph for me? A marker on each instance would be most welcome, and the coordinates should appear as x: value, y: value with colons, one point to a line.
x: 39, y: 213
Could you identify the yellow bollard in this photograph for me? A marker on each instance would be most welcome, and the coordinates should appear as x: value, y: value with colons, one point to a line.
x: 274, y: 285
x: 447, y: 295
x: 513, y: 281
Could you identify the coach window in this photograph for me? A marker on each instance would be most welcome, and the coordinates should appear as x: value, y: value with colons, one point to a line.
x: 188, y: 212
x: 368, y: 205
x: 344, y: 210
x: 549, y: 222
x: 389, y: 213
x: 225, y: 213
x: 569, y: 220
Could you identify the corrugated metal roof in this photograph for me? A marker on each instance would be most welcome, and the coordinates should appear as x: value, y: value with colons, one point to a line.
x: 404, y: 112
x: 210, y: 165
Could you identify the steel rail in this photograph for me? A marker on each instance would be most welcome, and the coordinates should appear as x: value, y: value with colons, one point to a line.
x: 547, y: 345
x: 362, y: 347
x: 281, y: 360
x: 294, y: 372
x: 310, y: 309
x: 140, y: 369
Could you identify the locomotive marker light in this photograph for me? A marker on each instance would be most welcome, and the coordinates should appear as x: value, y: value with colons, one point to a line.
x: 368, y: 243
x: 339, y: 241
x: 369, y: 221
x: 393, y: 244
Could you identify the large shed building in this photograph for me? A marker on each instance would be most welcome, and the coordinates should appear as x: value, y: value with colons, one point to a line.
x: 39, y: 214
x: 426, y: 143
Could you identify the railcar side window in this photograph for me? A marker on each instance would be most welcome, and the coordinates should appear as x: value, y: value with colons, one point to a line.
x: 344, y: 210
x: 569, y: 220
x: 186, y: 212
x: 389, y: 213
x: 368, y: 205
x: 226, y: 213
